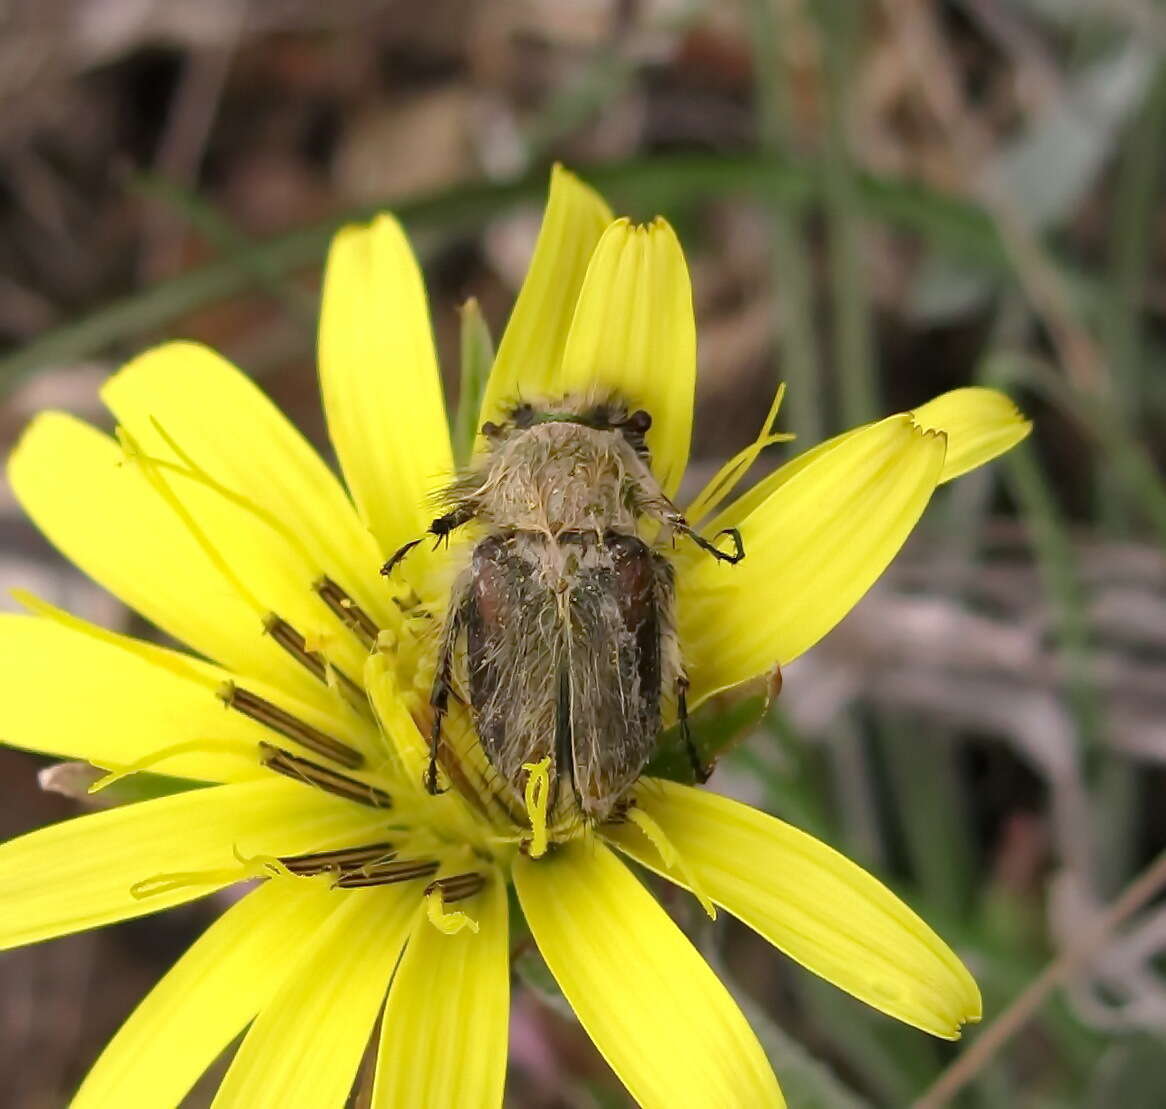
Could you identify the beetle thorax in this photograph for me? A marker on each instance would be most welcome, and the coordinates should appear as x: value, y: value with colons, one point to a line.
x: 556, y: 478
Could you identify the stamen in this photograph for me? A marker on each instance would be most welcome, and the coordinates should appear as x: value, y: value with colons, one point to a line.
x: 537, y: 795
x: 167, y: 883
x: 256, y: 866
x: 341, y: 861
x: 250, y: 866
x: 147, y: 762
x: 192, y: 470
x: 279, y: 720
x: 727, y: 477
x: 670, y: 856
x: 312, y: 660
x: 313, y: 774
x: 170, y: 661
x: 403, y: 871
x: 347, y: 611
x: 150, y: 469
x: 445, y: 891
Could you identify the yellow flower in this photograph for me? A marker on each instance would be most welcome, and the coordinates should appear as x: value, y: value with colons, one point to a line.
x: 211, y: 517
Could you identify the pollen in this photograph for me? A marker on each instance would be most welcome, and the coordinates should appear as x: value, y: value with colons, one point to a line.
x: 537, y: 796
x: 449, y: 922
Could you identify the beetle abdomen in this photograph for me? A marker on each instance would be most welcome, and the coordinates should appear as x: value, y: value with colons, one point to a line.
x: 564, y: 659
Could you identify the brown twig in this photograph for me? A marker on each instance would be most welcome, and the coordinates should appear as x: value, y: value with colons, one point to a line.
x: 1135, y: 896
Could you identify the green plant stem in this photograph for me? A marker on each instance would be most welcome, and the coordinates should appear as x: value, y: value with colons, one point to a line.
x: 222, y: 234
x: 949, y: 224
x: 1116, y: 793
x: 1133, y: 238
x: 605, y: 78
x: 1122, y: 332
x: 853, y: 342
x: 856, y: 803
x: 791, y: 778
x: 791, y: 268
x: 894, y: 1061
x: 1134, y: 212
x: 1100, y: 422
x: 1058, y: 568
x: 930, y: 811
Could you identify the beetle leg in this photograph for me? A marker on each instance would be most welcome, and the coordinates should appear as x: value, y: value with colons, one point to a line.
x: 440, y: 528
x: 681, y: 525
x: 700, y: 772
x: 443, y: 689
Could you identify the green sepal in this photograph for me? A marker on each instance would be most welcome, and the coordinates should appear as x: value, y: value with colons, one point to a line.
x: 716, y: 727
x: 477, y: 356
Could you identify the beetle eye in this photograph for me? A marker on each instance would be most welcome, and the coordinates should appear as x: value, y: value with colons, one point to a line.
x: 639, y: 421
x: 491, y: 430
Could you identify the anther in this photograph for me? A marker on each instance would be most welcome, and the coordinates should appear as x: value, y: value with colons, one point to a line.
x: 313, y: 774
x: 403, y: 871
x: 279, y: 720
x: 347, y: 611
x: 341, y: 861
x: 457, y: 887
x: 312, y: 661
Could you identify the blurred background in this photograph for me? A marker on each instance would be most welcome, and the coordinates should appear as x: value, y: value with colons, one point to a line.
x: 879, y: 201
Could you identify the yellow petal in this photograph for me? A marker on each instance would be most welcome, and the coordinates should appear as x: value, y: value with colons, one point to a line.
x: 410, y: 750
x: 66, y: 693
x: 409, y: 747
x: 208, y: 997
x: 634, y: 336
x: 980, y: 424
x: 812, y: 549
x: 192, y: 744
x: 381, y: 385
x: 305, y: 1046
x: 79, y: 873
x: 531, y: 352
x: 443, y: 1041
x: 812, y: 903
x: 100, y: 511
x: 654, y: 1008
x: 220, y: 419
